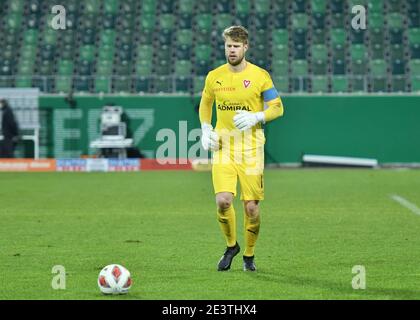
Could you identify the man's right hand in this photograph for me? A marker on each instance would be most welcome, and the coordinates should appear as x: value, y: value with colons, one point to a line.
x: 209, y: 138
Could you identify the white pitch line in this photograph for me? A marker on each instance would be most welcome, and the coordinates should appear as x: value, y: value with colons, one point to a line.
x: 405, y: 203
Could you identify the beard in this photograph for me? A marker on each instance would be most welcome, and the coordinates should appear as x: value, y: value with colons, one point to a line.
x: 235, y: 63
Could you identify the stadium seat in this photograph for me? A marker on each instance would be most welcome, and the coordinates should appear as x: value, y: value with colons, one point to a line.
x: 378, y: 68
x: 104, y: 68
x: 414, y: 66
x: 110, y: 6
x: 163, y: 68
x: 82, y: 84
x: 375, y: 6
x: 397, y: 67
x: 223, y: 21
x: 141, y: 84
x: 63, y: 84
x: 319, y: 6
x: 299, y: 71
x: 65, y: 67
x: 23, y: 81
x: 122, y: 84
x: 377, y: 51
x: 339, y: 84
x: 415, y: 83
x: 30, y: 37
x: 398, y: 84
x: 358, y: 84
x: 337, y: 6
x: 280, y: 52
x: 319, y: 58
x: 143, y: 68
x: 91, y: 6
x: 202, y: 52
x: 318, y: 36
x: 186, y: 6
x: 148, y: 7
x: 299, y: 6
x: 198, y: 84
x: 318, y: 21
x: 338, y: 66
x: 102, y: 85
x: 107, y: 37
x: 281, y: 83
x: 320, y: 84
x: 280, y: 67
x: 144, y: 52
x: 414, y: 42
x: 337, y: 20
x: 280, y: 36
x: 162, y: 84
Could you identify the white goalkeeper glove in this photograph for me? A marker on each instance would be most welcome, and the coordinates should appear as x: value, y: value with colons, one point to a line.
x: 209, y: 138
x: 245, y: 120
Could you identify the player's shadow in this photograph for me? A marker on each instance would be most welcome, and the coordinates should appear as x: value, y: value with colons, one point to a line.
x: 338, y: 288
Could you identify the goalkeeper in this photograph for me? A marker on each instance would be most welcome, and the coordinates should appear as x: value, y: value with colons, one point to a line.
x: 245, y: 99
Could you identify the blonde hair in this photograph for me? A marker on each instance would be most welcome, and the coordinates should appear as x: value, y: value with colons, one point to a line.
x: 236, y: 33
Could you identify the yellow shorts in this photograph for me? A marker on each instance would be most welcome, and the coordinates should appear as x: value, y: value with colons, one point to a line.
x: 226, y: 171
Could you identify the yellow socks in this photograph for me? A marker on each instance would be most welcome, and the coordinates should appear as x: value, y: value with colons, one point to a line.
x: 252, y: 228
x: 227, y: 222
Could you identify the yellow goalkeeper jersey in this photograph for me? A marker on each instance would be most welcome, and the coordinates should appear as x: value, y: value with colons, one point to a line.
x: 251, y: 90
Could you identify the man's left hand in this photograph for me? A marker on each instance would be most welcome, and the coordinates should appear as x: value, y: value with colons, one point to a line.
x: 245, y: 120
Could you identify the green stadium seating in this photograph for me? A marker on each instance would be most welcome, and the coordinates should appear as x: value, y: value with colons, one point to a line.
x: 198, y: 84
x: 280, y: 52
x: 30, y: 37
x: 162, y: 84
x: 320, y: 84
x: 280, y: 36
x: 87, y: 52
x: 23, y: 81
x: 202, y: 52
x: 262, y: 6
x: 107, y: 37
x: 375, y: 6
x: 16, y: 6
x: 102, y: 85
x: 63, y: 84
x: 281, y: 83
x: 378, y: 68
x: 141, y: 84
x: 243, y: 7
x: 415, y: 83
x: 104, y: 68
x: 183, y: 68
x: 414, y: 66
x: 414, y: 42
x: 106, y: 52
x: 280, y: 68
x: 111, y: 6
x: 223, y: 21
x: 398, y: 84
x: 186, y: 6
x: 339, y: 84
x: 319, y: 6
x: 177, y: 39
x: 65, y: 67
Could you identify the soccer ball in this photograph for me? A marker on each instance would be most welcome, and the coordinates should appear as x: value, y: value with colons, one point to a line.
x: 114, y: 279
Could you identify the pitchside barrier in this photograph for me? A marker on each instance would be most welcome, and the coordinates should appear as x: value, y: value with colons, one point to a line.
x: 382, y: 127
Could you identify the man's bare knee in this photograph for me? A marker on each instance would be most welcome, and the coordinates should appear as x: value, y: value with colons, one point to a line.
x: 224, y: 201
x: 251, y: 208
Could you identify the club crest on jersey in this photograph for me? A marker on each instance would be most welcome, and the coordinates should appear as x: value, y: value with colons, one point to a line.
x: 247, y: 83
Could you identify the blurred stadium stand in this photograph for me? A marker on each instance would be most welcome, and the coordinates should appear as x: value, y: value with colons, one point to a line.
x: 168, y: 46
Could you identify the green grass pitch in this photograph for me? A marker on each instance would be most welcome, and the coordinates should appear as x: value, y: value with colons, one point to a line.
x: 316, y: 225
